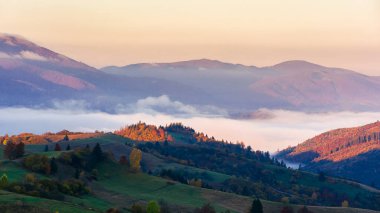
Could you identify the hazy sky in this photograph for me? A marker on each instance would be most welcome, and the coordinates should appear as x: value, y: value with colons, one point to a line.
x: 344, y: 33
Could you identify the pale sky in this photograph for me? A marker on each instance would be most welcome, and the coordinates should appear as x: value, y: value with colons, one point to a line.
x: 341, y: 33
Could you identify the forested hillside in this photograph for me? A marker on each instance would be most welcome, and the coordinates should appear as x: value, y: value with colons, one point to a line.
x: 349, y: 152
x: 114, y: 172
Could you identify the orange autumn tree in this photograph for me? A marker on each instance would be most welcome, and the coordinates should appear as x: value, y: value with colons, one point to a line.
x: 143, y: 132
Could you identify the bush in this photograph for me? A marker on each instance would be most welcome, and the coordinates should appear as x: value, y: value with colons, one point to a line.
x: 37, y: 163
x: 3, y: 181
x: 136, y: 208
x: 207, y: 208
x: 287, y: 209
x: 153, y: 207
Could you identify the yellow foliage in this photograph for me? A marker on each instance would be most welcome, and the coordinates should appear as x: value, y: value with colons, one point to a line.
x: 134, y: 159
x: 345, y: 204
x: 285, y: 200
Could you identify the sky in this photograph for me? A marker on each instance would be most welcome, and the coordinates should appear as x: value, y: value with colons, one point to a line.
x: 339, y: 33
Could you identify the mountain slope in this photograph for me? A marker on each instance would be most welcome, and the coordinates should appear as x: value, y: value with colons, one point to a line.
x: 35, y: 76
x: 298, y: 85
x: 350, y: 152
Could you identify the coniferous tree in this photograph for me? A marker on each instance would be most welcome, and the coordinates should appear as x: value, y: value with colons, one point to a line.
x: 9, y: 149
x: 53, y: 166
x: 256, y: 207
x: 68, y: 147
x: 57, y: 147
x: 19, y: 150
x: 66, y: 138
x: 13, y: 151
x: 97, y: 153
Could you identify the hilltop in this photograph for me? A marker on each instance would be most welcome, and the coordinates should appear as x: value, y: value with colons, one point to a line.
x: 348, y: 152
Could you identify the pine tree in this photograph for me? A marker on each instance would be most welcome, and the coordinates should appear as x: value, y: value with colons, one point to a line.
x: 97, y: 153
x: 19, y: 150
x: 57, y: 147
x: 256, y: 207
x: 9, y: 150
x: 68, y: 147
x: 53, y: 166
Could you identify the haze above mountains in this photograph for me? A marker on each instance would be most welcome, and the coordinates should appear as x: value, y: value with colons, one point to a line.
x: 33, y: 76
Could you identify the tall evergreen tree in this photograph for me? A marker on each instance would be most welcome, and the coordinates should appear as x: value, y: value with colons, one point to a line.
x: 68, y: 147
x: 9, y: 150
x: 57, y: 147
x: 19, y: 150
x: 256, y: 207
x: 97, y: 153
x: 53, y: 166
x: 66, y: 138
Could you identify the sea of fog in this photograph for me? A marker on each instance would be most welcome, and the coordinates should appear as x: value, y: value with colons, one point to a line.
x: 277, y: 131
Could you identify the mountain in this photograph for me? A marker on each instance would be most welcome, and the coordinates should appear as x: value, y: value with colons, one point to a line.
x: 304, y: 84
x: 34, y: 76
x: 349, y: 152
x: 295, y: 85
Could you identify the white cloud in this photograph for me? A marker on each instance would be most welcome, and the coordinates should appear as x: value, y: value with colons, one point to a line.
x: 284, y: 128
x: 4, y: 55
x: 163, y: 104
x: 23, y: 55
x: 32, y: 56
x: 71, y: 105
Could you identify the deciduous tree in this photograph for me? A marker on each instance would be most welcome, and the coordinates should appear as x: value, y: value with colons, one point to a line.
x: 153, y: 207
x: 135, y: 159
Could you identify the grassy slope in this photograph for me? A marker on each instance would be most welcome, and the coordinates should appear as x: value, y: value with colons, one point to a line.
x: 136, y: 187
x: 118, y: 188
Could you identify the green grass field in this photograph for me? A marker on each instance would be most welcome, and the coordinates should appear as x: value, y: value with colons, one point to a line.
x: 117, y: 187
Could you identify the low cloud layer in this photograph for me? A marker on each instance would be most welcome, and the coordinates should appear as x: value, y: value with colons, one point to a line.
x: 281, y: 129
x: 24, y: 55
x: 165, y: 105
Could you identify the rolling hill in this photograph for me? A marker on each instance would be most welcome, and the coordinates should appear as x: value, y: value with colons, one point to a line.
x: 184, y: 174
x: 350, y: 153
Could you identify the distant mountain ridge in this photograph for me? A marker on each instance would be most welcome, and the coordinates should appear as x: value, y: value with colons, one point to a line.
x: 34, y: 76
x: 294, y: 85
x: 348, y: 152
